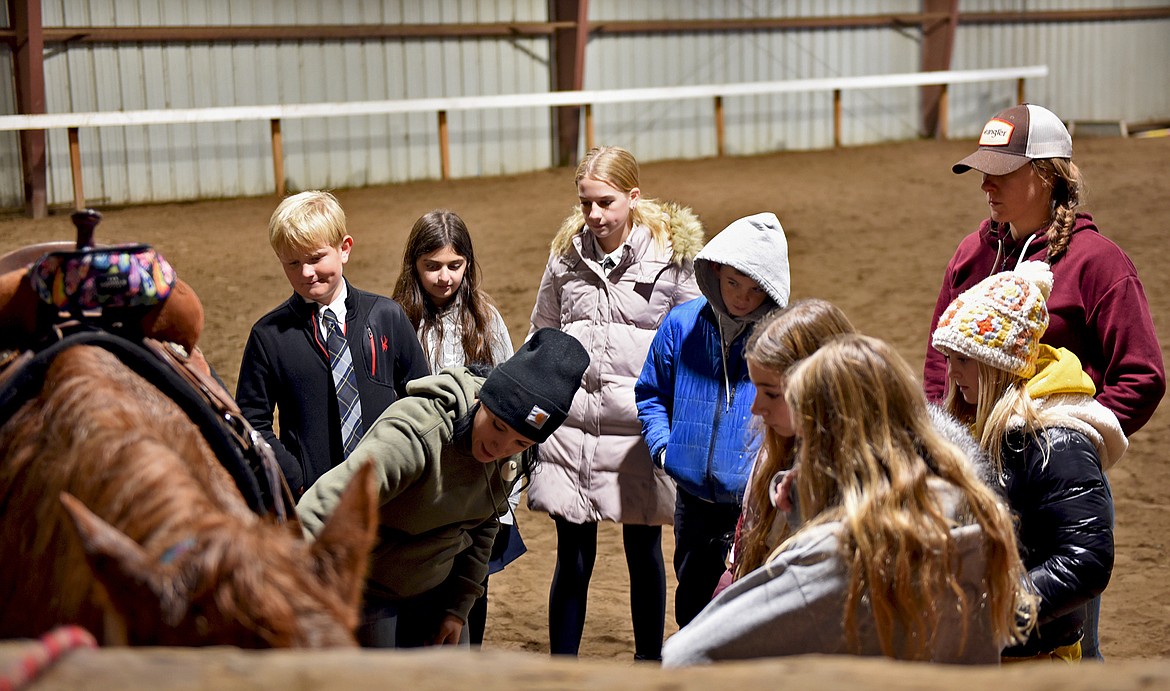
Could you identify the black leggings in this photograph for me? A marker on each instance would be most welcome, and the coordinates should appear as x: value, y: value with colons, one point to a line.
x: 576, y: 553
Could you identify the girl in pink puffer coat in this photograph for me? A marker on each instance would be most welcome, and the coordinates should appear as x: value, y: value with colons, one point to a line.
x: 618, y: 264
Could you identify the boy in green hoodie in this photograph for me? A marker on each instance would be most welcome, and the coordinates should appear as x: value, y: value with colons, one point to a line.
x: 445, y: 458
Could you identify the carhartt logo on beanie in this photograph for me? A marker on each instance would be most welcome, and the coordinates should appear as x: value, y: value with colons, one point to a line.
x: 999, y: 321
x: 533, y: 390
x: 1015, y: 136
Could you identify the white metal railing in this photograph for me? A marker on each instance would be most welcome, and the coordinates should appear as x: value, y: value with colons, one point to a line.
x: 73, y: 122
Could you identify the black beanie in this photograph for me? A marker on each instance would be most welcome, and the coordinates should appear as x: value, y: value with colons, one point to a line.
x: 533, y: 390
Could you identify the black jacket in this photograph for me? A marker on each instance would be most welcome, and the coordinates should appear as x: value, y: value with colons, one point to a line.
x: 1065, y: 514
x: 286, y: 367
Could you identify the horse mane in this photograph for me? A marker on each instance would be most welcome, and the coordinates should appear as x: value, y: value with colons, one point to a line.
x: 132, y: 462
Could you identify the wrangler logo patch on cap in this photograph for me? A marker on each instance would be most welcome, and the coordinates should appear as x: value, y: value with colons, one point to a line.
x: 536, y: 417
x: 996, y: 133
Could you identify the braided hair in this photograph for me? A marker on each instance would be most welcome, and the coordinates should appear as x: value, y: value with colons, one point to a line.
x: 1063, y: 179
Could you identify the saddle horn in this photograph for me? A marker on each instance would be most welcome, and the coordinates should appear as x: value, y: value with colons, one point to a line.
x: 86, y: 221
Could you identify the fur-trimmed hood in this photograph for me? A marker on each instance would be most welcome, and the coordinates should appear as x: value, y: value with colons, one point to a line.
x: 686, y: 234
x: 596, y: 466
x: 958, y: 434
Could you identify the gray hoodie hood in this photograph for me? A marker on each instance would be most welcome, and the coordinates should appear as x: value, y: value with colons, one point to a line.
x: 756, y: 247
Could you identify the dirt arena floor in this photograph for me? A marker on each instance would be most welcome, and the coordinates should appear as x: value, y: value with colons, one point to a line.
x: 869, y: 228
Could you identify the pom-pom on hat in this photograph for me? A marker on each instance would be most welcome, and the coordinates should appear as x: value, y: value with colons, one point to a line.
x: 999, y: 321
x: 1015, y: 136
x: 533, y: 390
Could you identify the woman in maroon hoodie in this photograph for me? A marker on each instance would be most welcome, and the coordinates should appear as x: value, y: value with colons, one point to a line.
x: 1098, y: 308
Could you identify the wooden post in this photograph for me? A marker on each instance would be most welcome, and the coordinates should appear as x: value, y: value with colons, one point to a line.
x: 937, y: 49
x: 28, y: 64
x: 1020, y: 90
x: 444, y: 146
x: 75, y: 165
x: 944, y: 112
x: 720, y: 134
x: 277, y: 157
x: 588, y: 126
x: 836, y: 118
x: 568, y: 73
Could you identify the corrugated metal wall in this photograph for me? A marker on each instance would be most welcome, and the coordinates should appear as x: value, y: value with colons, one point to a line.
x: 158, y: 163
x: 1099, y: 70
x: 759, y: 123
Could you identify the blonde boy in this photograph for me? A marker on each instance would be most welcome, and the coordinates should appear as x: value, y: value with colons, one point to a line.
x: 286, y: 369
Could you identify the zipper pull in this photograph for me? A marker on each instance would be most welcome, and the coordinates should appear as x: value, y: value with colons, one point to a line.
x: 373, y: 351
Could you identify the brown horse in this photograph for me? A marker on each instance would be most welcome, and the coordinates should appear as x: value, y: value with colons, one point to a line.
x: 115, y: 515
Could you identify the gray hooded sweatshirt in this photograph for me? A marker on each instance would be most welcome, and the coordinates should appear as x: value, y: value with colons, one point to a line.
x: 756, y: 247
x: 794, y: 605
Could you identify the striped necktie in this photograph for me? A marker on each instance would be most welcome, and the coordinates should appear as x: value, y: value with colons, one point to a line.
x: 344, y: 381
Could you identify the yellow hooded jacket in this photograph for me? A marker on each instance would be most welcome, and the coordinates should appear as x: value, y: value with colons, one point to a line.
x: 1063, y: 393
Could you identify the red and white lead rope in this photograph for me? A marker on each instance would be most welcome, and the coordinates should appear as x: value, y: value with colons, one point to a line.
x: 48, y: 650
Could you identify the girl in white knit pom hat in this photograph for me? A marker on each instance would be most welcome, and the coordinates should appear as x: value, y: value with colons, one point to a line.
x: 1031, y: 407
x: 1036, y: 199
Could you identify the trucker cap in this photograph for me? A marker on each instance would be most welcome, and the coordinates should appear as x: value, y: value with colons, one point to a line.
x: 1015, y: 136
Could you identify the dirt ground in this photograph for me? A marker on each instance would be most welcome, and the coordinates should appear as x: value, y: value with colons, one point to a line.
x: 870, y: 229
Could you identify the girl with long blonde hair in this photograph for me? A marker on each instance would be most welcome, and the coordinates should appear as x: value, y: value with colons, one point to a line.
x: 781, y: 339
x: 902, y: 550
x: 618, y: 264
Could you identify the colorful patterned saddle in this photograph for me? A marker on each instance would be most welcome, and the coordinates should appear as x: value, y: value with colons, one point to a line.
x: 128, y: 300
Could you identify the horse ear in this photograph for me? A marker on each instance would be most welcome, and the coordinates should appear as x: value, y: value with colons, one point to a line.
x: 118, y: 563
x: 341, y: 552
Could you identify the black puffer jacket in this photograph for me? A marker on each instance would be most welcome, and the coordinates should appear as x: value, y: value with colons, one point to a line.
x: 1065, y: 514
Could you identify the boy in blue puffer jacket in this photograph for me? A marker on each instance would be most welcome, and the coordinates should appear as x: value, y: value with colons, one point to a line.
x: 694, y: 397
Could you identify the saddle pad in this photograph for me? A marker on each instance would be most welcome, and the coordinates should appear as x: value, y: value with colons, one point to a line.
x: 97, y: 278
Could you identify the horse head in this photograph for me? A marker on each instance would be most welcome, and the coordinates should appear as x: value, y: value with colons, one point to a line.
x: 119, y: 514
x: 119, y: 517
x: 217, y: 586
